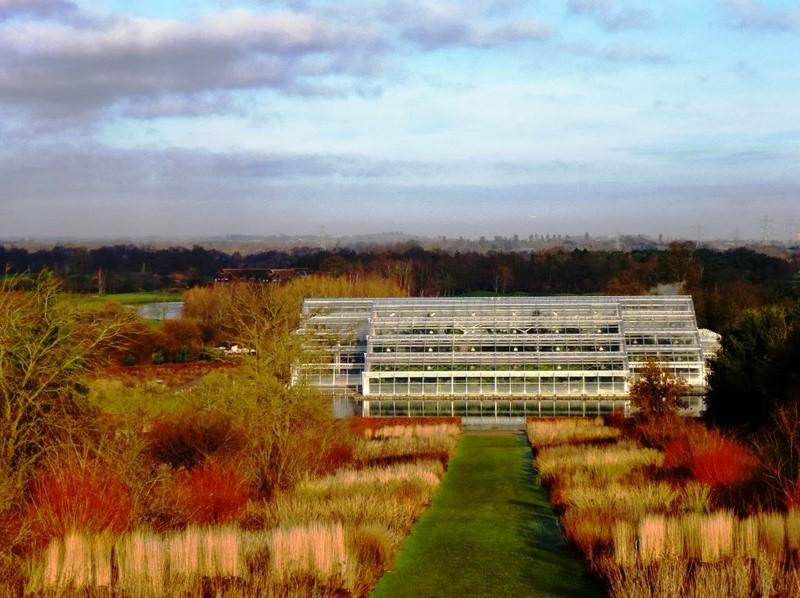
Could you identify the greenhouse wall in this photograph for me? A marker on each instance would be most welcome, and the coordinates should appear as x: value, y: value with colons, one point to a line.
x: 521, y: 347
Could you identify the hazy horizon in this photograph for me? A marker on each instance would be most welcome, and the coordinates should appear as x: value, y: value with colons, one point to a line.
x: 494, y: 117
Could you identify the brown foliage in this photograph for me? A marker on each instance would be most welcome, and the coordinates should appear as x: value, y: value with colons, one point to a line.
x: 186, y: 439
x: 182, y: 334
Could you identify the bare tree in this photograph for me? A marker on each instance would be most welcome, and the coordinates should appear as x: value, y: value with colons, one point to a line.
x: 46, y: 343
x: 778, y: 448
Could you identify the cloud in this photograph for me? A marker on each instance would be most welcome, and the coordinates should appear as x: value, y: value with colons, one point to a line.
x: 60, y: 70
x: 443, y: 34
x: 72, y: 73
x: 95, y: 170
x: 433, y: 25
x: 190, y: 105
x: 611, y: 17
x: 717, y: 157
x: 753, y: 16
x: 48, y: 9
x: 589, y: 6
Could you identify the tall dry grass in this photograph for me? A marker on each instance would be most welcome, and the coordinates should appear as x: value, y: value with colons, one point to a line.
x: 328, y: 557
x: 603, y: 462
x: 647, y: 532
x: 329, y: 536
x: 394, y: 495
x: 413, y: 431
x: 398, y: 449
x: 550, y: 432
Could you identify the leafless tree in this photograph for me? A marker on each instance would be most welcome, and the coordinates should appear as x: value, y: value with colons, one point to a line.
x: 46, y: 344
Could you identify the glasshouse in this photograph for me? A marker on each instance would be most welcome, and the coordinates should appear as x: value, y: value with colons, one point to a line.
x: 557, y: 353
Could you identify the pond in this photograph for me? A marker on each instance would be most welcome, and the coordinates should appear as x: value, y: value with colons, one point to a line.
x: 164, y: 310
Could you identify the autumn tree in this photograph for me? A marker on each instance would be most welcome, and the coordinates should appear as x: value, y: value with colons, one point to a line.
x: 656, y: 392
x: 181, y: 340
x: 289, y: 425
x: 201, y: 305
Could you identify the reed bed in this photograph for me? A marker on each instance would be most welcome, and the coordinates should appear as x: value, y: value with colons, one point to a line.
x: 603, y: 462
x: 761, y: 577
x: 345, y: 480
x: 620, y: 497
x: 328, y: 557
x: 137, y: 563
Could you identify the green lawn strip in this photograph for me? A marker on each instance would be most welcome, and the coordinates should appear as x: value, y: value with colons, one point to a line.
x: 490, y: 531
x: 141, y: 298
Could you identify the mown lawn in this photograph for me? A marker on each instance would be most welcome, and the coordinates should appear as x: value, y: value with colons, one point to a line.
x: 140, y: 298
x: 490, y: 531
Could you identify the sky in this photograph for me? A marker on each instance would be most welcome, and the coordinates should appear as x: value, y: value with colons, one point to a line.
x: 191, y: 118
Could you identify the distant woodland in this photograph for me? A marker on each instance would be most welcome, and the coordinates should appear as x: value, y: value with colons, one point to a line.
x: 723, y: 283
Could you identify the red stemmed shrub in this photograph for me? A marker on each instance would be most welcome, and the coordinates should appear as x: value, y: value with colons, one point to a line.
x: 709, y: 456
x: 677, y: 453
x: 721, y: 461
x: 210, y: 493
x: 83, y: 497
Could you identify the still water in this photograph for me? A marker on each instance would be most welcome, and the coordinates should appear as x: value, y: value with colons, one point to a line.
x: 166, y: 310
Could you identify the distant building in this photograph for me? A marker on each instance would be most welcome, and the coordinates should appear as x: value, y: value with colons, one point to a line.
x: 454, y: 355
x: 258, y: 275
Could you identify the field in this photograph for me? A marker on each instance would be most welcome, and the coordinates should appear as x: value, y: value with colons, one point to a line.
x: 141, y: 298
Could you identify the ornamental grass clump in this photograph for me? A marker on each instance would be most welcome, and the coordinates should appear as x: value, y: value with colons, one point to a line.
x: 601, y: 462
x: 620, y: 497
x: 393, y: 495
x: 317, y: 550
x: 653, y: 526
x: 399, y: 449
x: 383, y: 427
x: 414, y: 431
x: 574, y: 430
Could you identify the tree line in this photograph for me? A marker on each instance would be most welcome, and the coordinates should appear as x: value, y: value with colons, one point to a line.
x: 722, y: 283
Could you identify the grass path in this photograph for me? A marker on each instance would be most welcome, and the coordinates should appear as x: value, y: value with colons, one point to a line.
x: 489, y: 532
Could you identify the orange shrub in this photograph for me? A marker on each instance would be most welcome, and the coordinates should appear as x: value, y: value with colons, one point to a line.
x: 677, y: 453
x: 721, y: 461
x: 711, y: 457
x: 78, y: 497
x: 210, y: 493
